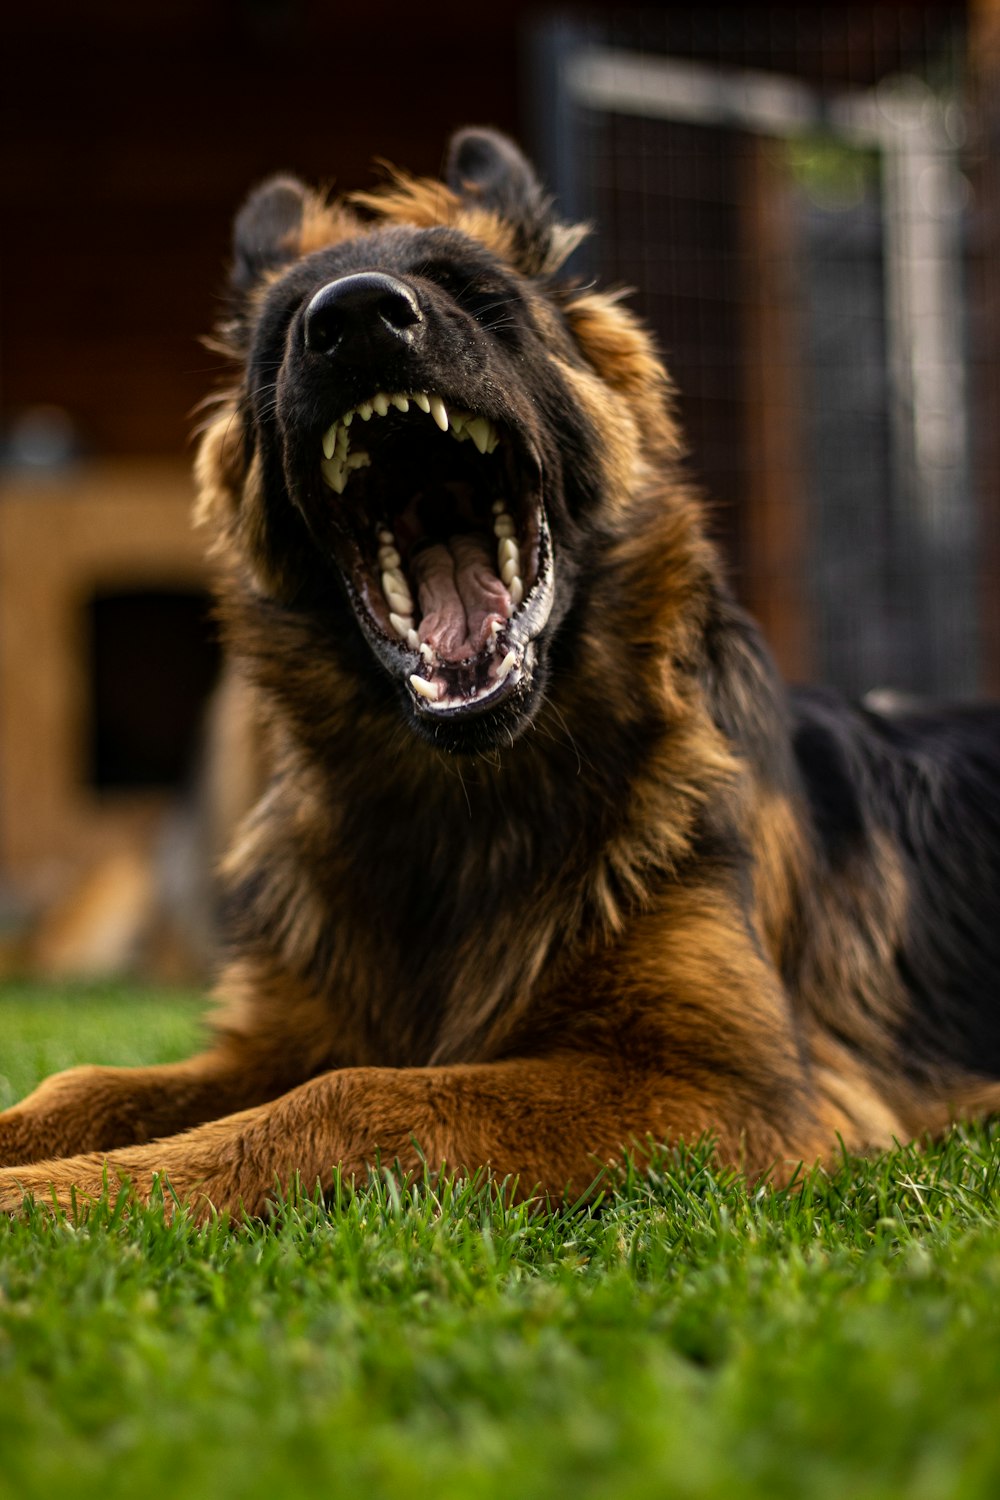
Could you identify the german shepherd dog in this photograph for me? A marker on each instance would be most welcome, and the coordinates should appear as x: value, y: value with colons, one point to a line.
x: 550, y: 866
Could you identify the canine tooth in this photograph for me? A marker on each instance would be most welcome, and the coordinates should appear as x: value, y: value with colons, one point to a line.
x: 479, y: 431
x: 401, y: 403
x: 388, y: 557
x: 439, y: 412
x: 506, y: 666
x: 401, y: 624
x: 503, y: 526
x: 412, y: 639
x: 386, y: 537
x: 333, y: 475
x: 426, y: 689
x: 330, y: 439
x: 516, y: 591
x: 357, y: 460
x: 381, y: 403
x: 422, y: 401
x: 508, y: 571
x: 365, y: 411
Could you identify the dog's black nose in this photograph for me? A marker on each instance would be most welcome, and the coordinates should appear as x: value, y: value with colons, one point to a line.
x: 368, y: 309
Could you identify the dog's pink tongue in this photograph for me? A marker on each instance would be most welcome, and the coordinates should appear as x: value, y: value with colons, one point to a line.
x: 460, y: 596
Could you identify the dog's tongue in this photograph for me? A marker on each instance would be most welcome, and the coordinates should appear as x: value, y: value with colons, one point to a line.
x: 460, y: 595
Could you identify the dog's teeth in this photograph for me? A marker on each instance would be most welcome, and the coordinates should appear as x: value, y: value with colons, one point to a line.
x: 395, y: 578
x: 503, y: 526
x: 342, y: 444
x: 479, y: 431
x: 330, y: 439
x: 439, y: 412
x: 388, y: 557
x: 401, y: 624
x: 397, y: 591
x: 412, y: 639
x: 492, y: 441
x: 422, y: 401
x: 365, y: 410
x: 357, y: 460
x: 333, y: 475
x: 508, y: 555
x: 400, y: 604
x: 458, y: 420
x: 394, y: 581
x: 516, y: 591
x: 401, y: 403
x: 495, y: 628
x: 381, y: 403
x: 347, y: 418
x: 386, y: 537
x: 509, y: 569
x: 428, y: 653
x: 506, y: 666
x: 431, y: 690
x: 499, y: 507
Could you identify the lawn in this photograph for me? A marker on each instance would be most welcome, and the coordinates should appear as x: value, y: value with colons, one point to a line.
x: 687, y: 1339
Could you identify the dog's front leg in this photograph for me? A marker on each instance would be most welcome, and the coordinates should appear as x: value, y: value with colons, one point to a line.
x: 551, y: 1122
x: 99, y: 1108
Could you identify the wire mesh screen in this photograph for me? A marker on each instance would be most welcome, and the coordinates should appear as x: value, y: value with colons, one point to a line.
x: 789, y: 194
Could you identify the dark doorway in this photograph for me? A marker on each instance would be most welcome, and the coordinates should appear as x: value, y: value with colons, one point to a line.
x: 153, y: 661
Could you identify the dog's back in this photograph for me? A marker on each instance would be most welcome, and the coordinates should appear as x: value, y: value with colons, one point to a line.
x: 905, y: 804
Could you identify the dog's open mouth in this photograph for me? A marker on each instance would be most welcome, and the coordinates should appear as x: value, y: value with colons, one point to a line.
x: 441, y: 537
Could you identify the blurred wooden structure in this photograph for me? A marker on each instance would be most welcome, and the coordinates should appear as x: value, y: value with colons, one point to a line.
x: 66, y: 540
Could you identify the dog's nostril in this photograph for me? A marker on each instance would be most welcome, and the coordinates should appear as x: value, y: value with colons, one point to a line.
x: 399, y: 309
x: 324, y: 330
x: 370, y: 306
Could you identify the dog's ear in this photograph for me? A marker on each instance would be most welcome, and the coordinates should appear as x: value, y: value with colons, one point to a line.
x: 268, y: 231
x: 487, y: 169
x: 487, y: 166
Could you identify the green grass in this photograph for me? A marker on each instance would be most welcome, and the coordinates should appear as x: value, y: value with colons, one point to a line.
x: 43, y: 1030
x: 688, y: 1339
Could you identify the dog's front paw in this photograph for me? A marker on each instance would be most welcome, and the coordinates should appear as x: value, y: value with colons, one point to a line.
x: 164, y: 1171
x: 68, y: 1184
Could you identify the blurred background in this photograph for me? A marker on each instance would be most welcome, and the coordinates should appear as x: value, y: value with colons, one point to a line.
x: 807, y: 201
